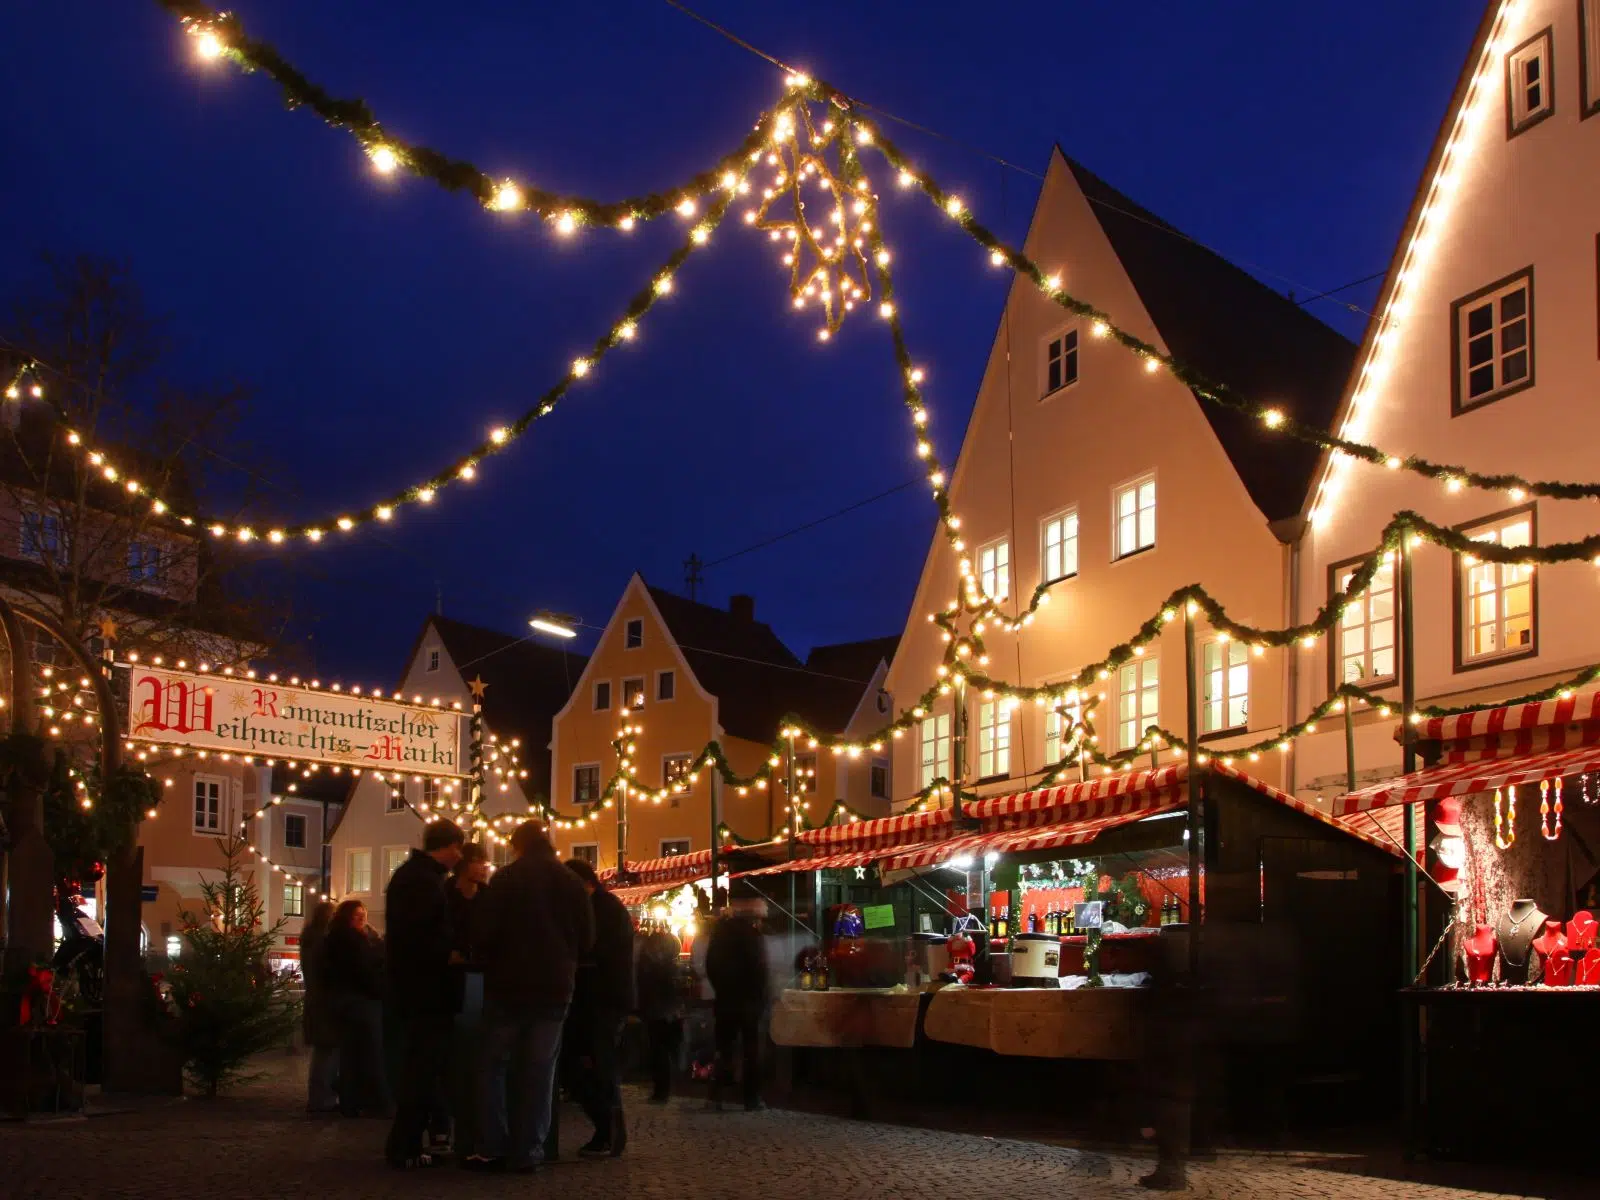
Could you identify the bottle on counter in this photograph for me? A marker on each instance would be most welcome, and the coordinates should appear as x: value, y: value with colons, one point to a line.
x: 1033, y: 921
x: 820, y: 981
x: 1002, y: 923
x: 808, y: 981
x: 1070, y: 921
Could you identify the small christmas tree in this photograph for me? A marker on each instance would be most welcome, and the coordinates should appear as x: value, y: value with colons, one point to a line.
x: 230, y: 1005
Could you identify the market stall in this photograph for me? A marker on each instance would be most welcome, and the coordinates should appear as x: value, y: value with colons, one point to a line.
x: 1512, y: 800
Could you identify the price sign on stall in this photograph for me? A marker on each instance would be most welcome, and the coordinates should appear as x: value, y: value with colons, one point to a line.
x: 878, y: 916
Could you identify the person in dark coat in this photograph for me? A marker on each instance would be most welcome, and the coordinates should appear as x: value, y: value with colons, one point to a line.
x: 353, y: 974
x: 421, y: 952
x: 736, y: 967
x: 661, y: 1007
x: 465, y: 891
x: 602, y: 998
x: 532, y: 926
x: 319, y: 1028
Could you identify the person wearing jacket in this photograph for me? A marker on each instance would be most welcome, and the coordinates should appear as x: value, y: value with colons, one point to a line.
x: 532, y: 926
x: 602, y: 998
x: 736, y: 966
x: 466, y: 889
x: 661, y: 1007
x: 353, y: 975
x: 319, y: 1027
x: 421, y: 952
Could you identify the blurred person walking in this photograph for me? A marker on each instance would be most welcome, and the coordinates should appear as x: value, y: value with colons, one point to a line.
x: 465, y: 891
x: 353, y: 973
x: 661, y: 1007
x: 318, y: 1024
x: 602, y: 998
x: 736, y: 966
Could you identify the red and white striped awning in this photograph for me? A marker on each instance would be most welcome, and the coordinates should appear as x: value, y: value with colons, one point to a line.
x: 631, y: 896
x: 826, y: 862
x: 1566, y: 710
x: 1460, y: 779
x: 883, y: 833
x: 665, y: 872
x: 1108, y: 796
x: 1019, y: 841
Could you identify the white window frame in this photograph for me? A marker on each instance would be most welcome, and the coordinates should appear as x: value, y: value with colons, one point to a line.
x: 1065, y: 343
x: 1358, y: 618
x: 394, y: 800
x: 1221, y: 685
x: 433, y: 659
x: 994, y: 739
x: 595, y: 695
x: 1518, y: 328
x: 1146, y: 680
x: 305, y: 830
x: 588, y: 852
x: 1524, y: 109
x: 934, y: 742
x: 678, y: 845
x: 599, y: 783
x: 1058, y: 722
x: 298, y: 888
x: 670, y: 676
x: 352, y: 878
x: 1065, y: 527
x: 629, y: 627
x: 432, y: 791
x: 1126, y: 542
x: 643, y: 692
x: 684, y: 763
x: 224, y: 808
x: 1478, y: 578
x: 1588, y: 58
x: 994, y: 569
x: 388, y: 871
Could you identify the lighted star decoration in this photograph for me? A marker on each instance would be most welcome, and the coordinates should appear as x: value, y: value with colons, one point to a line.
x: 815, y: 171
x: 108, y: 629
x: 477, y: 687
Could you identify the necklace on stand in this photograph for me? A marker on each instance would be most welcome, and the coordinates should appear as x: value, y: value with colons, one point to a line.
x: 1505, y: 827
x: 1544, y: 810
x: 1517, y: 922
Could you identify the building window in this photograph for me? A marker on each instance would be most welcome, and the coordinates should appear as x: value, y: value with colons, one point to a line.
x: 586, y: 784
x: 935, y: 762
x: 294, y: 898
x: 1364, y: 649
x: 394, y: 858
x: 588, y: 852
x: 500, y: 853
x: 1530, y: 88
x: 358, y: 871
x: 396, y: 800
x: 1059, y: 549
x: 633, y: 693
x: 1493, y: 341
x: 633, y: 634
x: 210, y: 808
x: 1061, y: 361
x: 1496, y: 616
x: 1138, y: 700
x: 1134, y: 509
x: 430, y: 792
x: 1225, y: 684
x: 805, y: 774
x: 671, y: 847
x: 43, y: 536
x: 675, y: 770
x: 145, y: 562
x: 666, y: 685
x: 433, y: 659
x: 880, y: 779
x: 994, y: 570
x: 1588, y: 58
x: 1059, y: 721
x: 994, y: 739
x: 602, y: 695
x: 294, y: 831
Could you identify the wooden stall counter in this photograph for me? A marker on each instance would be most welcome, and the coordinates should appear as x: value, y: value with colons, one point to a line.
x: 1091, y: 1023
x: 846, y: 1017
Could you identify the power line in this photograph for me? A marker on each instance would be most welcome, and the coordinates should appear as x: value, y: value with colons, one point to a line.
x: 788, y: 533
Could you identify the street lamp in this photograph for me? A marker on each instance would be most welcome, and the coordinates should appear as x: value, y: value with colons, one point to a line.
x: 555, y: 624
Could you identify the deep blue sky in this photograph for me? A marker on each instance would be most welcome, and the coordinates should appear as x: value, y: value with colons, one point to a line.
x: 387, y: 325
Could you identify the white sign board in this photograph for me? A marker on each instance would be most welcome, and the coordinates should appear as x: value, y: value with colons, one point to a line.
x: 268, y: 720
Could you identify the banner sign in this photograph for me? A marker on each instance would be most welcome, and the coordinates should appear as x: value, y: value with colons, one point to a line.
x: 268, y: 720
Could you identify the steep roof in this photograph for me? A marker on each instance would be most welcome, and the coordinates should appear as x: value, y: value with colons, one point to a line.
x: 528, y: 683
x: 756, y: 679
x: 1235, y: 330
x: 853, y: 660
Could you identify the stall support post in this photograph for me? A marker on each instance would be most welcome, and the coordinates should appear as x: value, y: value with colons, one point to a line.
x: 1196, y: 786
x: 1349, y: 746
x: 1412, y: 1042
x: 958, y: 747
x: 716, y: 835
x: 622, y: 832
x: 794, y: 821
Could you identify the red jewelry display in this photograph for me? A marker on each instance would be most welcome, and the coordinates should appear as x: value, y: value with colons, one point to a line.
x: 1480, y: 950
x: 1555, y: 962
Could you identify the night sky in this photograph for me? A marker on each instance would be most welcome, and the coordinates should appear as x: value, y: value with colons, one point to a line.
x: 386, y: 325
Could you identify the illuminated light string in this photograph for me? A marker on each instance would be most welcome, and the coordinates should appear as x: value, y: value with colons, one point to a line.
x: 218, y: 36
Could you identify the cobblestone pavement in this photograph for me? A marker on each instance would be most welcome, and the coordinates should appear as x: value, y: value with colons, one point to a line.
x: 259, y: 1143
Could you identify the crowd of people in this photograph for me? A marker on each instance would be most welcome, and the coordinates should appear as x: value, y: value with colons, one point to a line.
x: 490, y: 991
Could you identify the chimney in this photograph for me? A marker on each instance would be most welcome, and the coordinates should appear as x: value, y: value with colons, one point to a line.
x: 742, y: 608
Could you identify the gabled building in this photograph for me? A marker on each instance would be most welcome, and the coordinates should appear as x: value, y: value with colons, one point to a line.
x: 524, y: 683
x: 1481, y: 352
x: 692, y: 674
x: 1083, y: 469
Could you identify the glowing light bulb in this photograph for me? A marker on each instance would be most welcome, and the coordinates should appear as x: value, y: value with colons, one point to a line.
x: 208, y: 46
x: 507, y: 197
x: 384, y: 159
x: 626, y: 330
x: 580, y: 367
x: 499, y: 434
x: 1272, y: 418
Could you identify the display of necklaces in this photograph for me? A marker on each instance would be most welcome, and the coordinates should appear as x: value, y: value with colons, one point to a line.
x: 1515, y: 932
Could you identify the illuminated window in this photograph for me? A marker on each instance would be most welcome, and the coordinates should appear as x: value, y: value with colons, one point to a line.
x: 1493, y: 341
x: 994, y: 570
x: 1059, y: 549
x: 1364, y: 645
x: 1138, y: 700
x: 210, y: 807
x: 1134, y: 509
x: 1497, y: 599
x: 633, y: 693
x: 588, y: 852
x: 1225, y: 683
x: 674, y: 846
x: 994, y: 739
x: 396, y: 799
x: 358, y: 871
x: 1061, y: 361
x: 1530, y: 94
x: 394, y: 858
x: 1059, y: 720
x: 935, y: 760
x: 174, y: 945
x: 294, y: 898
x: 675, y: 769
